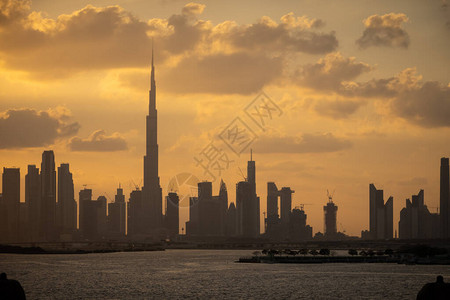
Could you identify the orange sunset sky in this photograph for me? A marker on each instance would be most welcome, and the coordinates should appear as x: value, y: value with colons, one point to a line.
x: 363, y: 86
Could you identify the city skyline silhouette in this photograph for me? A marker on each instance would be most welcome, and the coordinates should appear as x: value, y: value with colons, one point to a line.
x: 331, y: 135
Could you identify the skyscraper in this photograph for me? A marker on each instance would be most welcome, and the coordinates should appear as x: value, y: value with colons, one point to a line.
x: 135, y: 214
x: 67, y: 206
x: 48, y: 197
x: 381, y: 214
x: 32, y: 199
x: 208, y: 210
x: 222, y: 198
x: 151, y: 192
x: 192, y: 225
x: 251, y: 178
x: 330, y: 211
x: 172, y: 217
x: 11, y: 199
x: 247, y: 204
x: 285, y: 204
x: 444, y: 199
x: 244, y: 209
x: 272, y: 219
x: 86, y: 215
x: 231, y: 221
x: 102, y: 212
x: 416, y: 221
x: 92, y: 215
x: 117, y: 215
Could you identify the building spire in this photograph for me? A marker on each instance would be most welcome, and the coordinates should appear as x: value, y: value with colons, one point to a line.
x: 152, y: 102
x: 152, y: 79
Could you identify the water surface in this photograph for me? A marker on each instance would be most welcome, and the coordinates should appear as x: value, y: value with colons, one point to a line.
x: 205, y: 274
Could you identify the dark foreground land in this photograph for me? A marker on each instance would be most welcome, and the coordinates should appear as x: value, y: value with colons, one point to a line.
x: 440, y: 260
x: 79, y: 248
x: 404, y: 248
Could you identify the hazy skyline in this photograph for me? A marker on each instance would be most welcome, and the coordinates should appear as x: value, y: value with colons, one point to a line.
x: 364, y: 90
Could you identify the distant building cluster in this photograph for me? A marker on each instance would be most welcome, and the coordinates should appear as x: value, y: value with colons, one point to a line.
x: 416, y: 220
x: 50, y: 210
x: 45, y: 215
x: 211, y: 216
x: 291, y: 223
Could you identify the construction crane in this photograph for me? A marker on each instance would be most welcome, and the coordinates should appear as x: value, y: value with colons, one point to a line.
x: 342, y: 227
x: 242, y: 173
x: 302, y: 205
x: 136, y: 186
x: 330, y: 196
x: 85, y: 185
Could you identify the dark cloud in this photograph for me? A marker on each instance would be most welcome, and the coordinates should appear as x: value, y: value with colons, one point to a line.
x: 21, y: 128
x: 12, y: 10
x: 234, y: 73
x: 91, y: 38
x: 385, y: 30
x: 187, y: 32
x: 308, y: 143
x: 446, y: 11
x: 291, y: 34
x: 98, y: 141
x: 337, y: 109
x: 383, y: 87
x: 330, y: 72
x: 427, y: 105
x: 111, y: 37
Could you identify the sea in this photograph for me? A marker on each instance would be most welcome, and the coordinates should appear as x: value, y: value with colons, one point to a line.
x: 208, y: 274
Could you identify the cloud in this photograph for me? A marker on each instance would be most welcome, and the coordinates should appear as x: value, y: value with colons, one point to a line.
x: 110, y: 37
x: 222, y: 74
x: 445, y: 8
x: 22, y: 128
x: 385, y: 30
x: 98, y: 141
x: 193, y: 9
x: 307, y: 143
x: 91, y: 38
x: 293, y: 34
x: 427, y: 105
x: 424, y: 103
x: 338, y: 109
x: 11, y: 10
x: 330, y: 72
x: 384, y: 87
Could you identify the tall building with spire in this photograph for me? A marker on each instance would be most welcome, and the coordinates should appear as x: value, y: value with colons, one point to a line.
x: 151, y: 191
x: 247, y: 203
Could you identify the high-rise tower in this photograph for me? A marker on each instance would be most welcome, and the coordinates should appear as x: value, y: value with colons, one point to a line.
x: 381, y: 214
x: 330, y: 211
x: 444, y: 198
x: 11, y: 198
x: 48, y: 197
x: 67, y: 206
x: 151, y: 192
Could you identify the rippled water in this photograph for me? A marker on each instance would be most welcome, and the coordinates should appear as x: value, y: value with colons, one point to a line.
x: 208, y: 274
